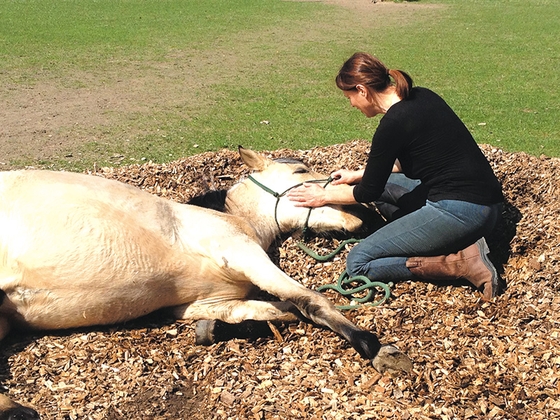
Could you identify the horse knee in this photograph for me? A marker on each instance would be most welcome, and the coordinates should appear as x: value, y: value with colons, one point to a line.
x: 317, y: 308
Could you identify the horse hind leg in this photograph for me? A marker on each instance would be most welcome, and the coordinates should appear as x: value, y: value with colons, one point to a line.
x: 9, y: 409
x: 215, y: 320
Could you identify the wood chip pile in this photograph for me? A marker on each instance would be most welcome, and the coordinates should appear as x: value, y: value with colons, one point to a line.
x: 472, y: 359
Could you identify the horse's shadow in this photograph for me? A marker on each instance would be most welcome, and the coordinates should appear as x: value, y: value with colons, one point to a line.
x: 12, y: 344
x: 18, y: 340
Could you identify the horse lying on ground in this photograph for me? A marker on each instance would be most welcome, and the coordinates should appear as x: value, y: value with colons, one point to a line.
x: 79, y: 250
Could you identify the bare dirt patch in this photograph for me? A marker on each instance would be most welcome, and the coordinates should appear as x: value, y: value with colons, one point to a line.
x: 377, y: 6
x: 50, y: 118
x: 472, y: 360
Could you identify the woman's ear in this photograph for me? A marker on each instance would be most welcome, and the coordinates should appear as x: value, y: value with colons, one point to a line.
x: 362, y: 90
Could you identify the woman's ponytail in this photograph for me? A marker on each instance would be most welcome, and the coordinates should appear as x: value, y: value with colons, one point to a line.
x: 403, y: 82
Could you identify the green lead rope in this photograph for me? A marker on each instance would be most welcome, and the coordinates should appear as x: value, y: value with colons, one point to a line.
x: 327, y: 257
x: 352, y: 288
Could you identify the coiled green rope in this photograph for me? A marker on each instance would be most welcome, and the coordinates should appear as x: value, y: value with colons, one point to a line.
x: 351, y: 287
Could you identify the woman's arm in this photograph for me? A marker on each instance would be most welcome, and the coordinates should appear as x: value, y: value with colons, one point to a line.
x: 340, y: 191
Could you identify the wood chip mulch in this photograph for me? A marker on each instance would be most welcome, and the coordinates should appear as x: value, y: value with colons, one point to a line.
x: 472, y: 359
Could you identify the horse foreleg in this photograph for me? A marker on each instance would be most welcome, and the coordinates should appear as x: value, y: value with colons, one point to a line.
x: 268, y: 277
x: 321, y: 311
x: 262, y: 272
x: 232, y: 312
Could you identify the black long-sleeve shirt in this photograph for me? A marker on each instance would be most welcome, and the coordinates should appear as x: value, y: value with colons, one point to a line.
x: 433, y: 145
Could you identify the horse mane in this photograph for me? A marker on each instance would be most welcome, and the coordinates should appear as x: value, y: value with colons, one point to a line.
x: 288, y: 160
x: 214, y: 200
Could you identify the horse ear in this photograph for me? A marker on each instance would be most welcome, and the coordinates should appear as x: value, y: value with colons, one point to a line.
x: 253, y: 160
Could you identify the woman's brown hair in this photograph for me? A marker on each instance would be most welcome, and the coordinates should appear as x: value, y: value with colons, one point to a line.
x: 367, y: 70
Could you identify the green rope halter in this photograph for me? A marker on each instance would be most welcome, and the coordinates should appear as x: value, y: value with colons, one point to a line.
x: 278, y: 196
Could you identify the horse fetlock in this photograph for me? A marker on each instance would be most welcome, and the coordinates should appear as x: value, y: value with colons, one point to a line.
x: 365, y: 343
x: 285, y: 313
x: 390, y: 359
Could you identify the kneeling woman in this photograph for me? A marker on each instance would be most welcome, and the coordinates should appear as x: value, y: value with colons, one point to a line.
x: 429, y: 177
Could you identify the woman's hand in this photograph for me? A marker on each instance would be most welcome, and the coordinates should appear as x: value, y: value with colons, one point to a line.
x: 308, y: 195
x: 314, y: 195
x: 345, y: 176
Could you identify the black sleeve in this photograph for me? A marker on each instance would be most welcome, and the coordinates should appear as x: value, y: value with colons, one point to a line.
x: 385, y: 147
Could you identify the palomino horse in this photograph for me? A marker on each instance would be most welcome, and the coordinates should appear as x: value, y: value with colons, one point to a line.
x: 80, y: 250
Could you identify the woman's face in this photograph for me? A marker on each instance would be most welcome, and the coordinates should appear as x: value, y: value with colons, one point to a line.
x: 361, y: 99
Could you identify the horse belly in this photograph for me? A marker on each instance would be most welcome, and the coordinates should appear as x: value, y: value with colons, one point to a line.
x: 60, y: 274
x: 70, y: 287
x: 80, y: 262
x: 70, y: 308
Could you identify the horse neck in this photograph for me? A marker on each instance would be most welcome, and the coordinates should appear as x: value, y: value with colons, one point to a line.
x: 249, y: 209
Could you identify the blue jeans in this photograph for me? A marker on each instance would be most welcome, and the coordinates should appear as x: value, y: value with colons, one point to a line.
x: 437, y: 228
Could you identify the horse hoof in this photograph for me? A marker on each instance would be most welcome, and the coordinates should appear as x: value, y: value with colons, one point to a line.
x: 204, y: 332
x: 392, y: 360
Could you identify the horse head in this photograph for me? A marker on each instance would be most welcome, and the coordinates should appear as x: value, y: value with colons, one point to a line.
x: 260, y: 198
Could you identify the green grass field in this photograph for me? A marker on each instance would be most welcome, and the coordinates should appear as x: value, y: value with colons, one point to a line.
x: 193, y: 76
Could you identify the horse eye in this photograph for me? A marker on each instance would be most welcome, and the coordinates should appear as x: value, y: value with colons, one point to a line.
x: 301, y: 171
